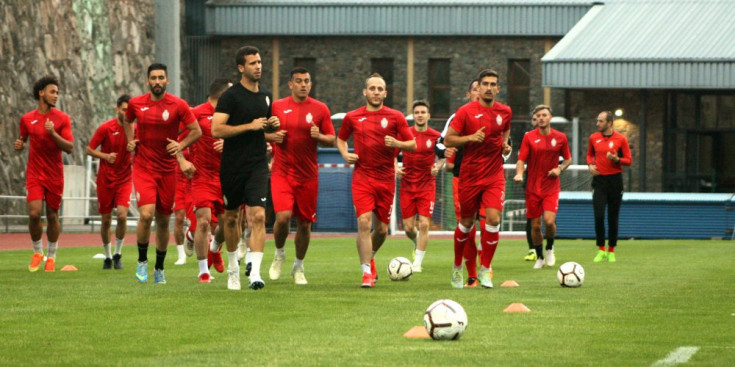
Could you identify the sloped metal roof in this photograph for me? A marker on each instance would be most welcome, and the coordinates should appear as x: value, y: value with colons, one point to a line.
x: 647, y: 44
x: 394, y: 18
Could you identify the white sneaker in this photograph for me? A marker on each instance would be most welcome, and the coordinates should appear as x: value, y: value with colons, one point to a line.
x: 275, y: 270
x: 416, y: 268
x: 233, y: 279
x: 457, y: 281
x: 539, y: 264
x: 241, y: 250
x: 298, y: 276
x: 550, y: 258
x: 180, y: 261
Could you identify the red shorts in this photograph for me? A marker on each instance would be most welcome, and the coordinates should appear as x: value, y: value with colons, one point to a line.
x: 47, y: 190
x: 113, y: 194
x: 537, y: 204
x: 183, y: 197
x: 369, y: 195
x: 475, y: 197
x: 455, y: 195
x: 417, y: 202
x: 297, y: 196
x: 155, y: 188
x: 207, y: 193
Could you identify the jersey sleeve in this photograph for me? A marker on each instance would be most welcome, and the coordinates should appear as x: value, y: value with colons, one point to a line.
x: 23, y: 128
x: 565, y: 148
x: 325, y: 125
x: 403, y: 130
x: 130, y: 112
x: 591, y: 151
x: 346, y: 130
x: 187, y: 117
x: 626, y: 158
x: 98, y: 137
x: 524, y: 149
x: 65, y: 130
x: 458, y: 122
x: 507, y: 122
x: 225, y: 104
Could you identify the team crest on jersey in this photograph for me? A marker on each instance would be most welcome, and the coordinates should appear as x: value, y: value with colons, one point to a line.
x: 553, y: 142
x: 384, y: 122
x: 611, y: 145
x: 165, y: 115
x: 499, y: 120
x: 309, y: 118
x: 267, y: 101
x: 428, y: 143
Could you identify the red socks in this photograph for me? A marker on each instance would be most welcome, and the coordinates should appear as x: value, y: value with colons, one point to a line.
x: 489, y: 245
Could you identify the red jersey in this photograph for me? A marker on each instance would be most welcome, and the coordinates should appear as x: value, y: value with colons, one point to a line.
x: 296, y: 156
x: 598, y: 147
x: 204, y: 157
x: 110, y: 137
x: 44, y: 157
x: 370, y: 128
x: 541, y: 154
x: 157, y: 121
x: 482, y: 163
x: 417, y: 164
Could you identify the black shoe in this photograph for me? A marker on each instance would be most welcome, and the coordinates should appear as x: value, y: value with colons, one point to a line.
x: 256, y: 285
x: 248, y: 268
x: 107, y: 265
x: 117, y: 261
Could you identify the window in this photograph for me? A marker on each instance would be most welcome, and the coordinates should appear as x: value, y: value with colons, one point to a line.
x: 439, y: 87
x: 309, y: 63
x: 519, y: 87
x: 384, y: 67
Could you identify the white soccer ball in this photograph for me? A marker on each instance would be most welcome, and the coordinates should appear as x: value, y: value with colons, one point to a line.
x: 399, y: 269
x: 570, y: 274
x: 445, y: 320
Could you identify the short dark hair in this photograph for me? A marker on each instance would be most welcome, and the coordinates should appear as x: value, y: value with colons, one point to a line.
x: 42, y: 83
x: 123, y: 99
x: 487, y: 72
x: 420, y: 102
x: 608, y: 116
x: 298, y: 70
x: 541, y: 107
x: 157, y: 66
x: 469, y: 87
x: 244, y: 51
x: 218, y: 87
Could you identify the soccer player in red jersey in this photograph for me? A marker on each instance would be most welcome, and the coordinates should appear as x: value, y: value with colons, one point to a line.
x: 184, y: 208
x: 418, y: 182
x: 49, y: 131
x: 378, y: 130
x: 114, y: 180
x: 607, y: 153
x: 159, y: 115
x: 482, y: 129
x: 541, y: 148
x: 206, y: 190
x: 306, y: 123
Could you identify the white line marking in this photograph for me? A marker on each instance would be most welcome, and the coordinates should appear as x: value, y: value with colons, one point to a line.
x: 677, y: 356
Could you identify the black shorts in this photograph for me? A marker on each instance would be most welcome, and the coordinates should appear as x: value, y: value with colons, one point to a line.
x: 249, y: 187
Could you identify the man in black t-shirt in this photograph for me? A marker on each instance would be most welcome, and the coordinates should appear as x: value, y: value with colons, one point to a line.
x: 242, y: 116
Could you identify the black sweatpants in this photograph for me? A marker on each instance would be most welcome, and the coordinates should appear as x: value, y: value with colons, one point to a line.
x: 607, y: 191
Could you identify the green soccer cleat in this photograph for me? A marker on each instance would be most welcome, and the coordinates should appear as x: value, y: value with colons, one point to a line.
x: 531, y: 256
x: 601, y: 255
x: 611, y: 257
x: 457, y: 280
x: 486, y: 279
x: 141, y: 272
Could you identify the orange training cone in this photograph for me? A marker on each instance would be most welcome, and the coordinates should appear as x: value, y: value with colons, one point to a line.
x: 69, y: 268
x: 517, y: 307
x: 509, y: 283
x: 417, y: 332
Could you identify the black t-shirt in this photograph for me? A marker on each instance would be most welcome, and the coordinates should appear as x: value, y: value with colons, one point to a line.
x: 241, y: 151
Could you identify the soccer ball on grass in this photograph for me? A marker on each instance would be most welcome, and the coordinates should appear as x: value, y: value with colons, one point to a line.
x: 570, y: 274
x: 399, y: 269
x: 445, y: 320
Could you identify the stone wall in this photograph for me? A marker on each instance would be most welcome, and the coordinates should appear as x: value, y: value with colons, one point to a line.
x: 98, y: 49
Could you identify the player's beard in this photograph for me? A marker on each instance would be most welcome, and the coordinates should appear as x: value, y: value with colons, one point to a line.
x: 158, y: 93
x: 48, y: 102
x: 373, y: 104
x: 488, y: 100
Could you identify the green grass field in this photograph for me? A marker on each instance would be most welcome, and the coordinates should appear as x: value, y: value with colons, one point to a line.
x: 659, y: 296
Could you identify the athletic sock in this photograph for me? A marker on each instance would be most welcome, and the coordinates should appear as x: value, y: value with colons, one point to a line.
x: 490, y: 236
x: 203, y: 268
x: 611, y: 249
x: 461, y: 235
x: 38, y: 246
x: 232, y: 260
x: 419, y: 257
x: 281, y: 252
x: 118, y: 245
x: 257, y: 258
x: 298, y: 264
x: 52, y: 246
x: 142, y: 252
x: 470, y: 256
x: 366, y: 268
x: 180, y: 249
x: 602, y: 248
x: 108, y: 254
x: 214, y: 246
x: 248, y: 256
x: 160, y: 257
x: 539, y: 251
x: 549, y: 244
x: 529, y: 238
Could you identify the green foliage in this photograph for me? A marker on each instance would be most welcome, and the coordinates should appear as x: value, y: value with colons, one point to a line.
x: 659, y: 296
